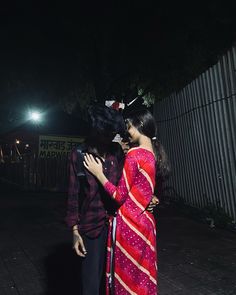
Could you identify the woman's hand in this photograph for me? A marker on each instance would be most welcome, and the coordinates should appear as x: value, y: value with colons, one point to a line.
x: 94, y: 165
x: 154, y: 202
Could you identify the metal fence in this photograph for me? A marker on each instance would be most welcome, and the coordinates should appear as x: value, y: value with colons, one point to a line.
x: 36, y: 173
x: 197, y: 126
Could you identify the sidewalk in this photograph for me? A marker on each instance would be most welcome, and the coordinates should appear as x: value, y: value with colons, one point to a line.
x: 194, y: 259
x: 36, y: 256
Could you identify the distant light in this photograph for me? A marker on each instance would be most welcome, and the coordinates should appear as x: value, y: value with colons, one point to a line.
x: 27, y: 145
x: 35, y: 116
x: 17, y: 141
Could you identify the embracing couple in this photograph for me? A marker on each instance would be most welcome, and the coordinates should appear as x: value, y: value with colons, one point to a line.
x: 110, y: 203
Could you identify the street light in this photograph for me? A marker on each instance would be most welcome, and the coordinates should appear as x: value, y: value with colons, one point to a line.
x: 35, y: 116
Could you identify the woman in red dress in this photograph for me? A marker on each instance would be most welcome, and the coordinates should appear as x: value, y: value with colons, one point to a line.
x: 132, y: 259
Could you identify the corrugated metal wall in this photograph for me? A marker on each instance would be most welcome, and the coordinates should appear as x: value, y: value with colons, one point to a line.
x: 198, y: 129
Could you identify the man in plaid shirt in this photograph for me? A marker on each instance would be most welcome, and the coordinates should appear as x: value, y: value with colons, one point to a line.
x: 90, y: 216
x: 89, y: 206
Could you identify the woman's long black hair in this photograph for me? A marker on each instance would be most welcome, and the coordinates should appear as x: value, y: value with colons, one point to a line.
x: 146, y: 125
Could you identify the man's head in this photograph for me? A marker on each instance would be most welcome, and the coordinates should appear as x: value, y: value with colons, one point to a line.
x: 104, y: 123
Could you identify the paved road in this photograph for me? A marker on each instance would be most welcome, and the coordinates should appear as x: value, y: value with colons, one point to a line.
x: 36, y: 256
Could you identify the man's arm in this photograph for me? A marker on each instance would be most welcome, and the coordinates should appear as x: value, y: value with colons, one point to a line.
x: 72, y: 217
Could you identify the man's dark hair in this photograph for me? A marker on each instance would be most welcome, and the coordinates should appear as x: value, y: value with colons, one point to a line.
x: 104, y: 123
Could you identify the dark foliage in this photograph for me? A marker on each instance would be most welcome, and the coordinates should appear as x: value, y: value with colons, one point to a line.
x: 70, y: 55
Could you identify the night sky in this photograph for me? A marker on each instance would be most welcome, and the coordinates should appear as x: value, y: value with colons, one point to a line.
x: 64, y: 56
